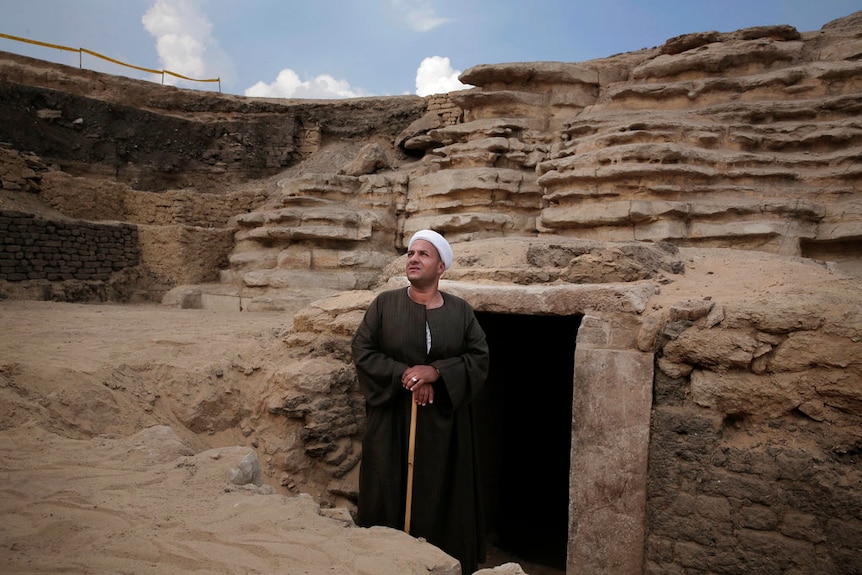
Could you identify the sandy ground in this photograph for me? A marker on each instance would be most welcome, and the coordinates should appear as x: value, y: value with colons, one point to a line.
x: 96, y: 476
x: 93, y: 484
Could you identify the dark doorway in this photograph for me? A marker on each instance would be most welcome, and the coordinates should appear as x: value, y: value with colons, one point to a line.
x: 525, y: 428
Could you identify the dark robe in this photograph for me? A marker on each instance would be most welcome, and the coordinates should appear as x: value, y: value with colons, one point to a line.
x: 447, y: 507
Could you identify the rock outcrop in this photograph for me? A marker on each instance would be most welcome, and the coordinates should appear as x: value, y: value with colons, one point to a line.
x: 747, y: 140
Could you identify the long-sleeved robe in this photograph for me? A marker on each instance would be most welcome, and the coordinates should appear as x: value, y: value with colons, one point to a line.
x: 447, y: 507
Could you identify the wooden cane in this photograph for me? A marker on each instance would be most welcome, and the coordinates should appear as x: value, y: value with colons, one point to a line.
x: 411, y: 454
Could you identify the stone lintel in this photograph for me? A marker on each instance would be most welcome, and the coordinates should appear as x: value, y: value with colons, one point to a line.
x: 565, y: 299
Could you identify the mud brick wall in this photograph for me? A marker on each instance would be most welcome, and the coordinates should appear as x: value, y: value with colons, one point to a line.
x: 35, y: 248
x: 444, y: 107
x: 729, y: 493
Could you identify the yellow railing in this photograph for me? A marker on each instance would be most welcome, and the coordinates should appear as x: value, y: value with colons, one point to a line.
x: 81, y: 52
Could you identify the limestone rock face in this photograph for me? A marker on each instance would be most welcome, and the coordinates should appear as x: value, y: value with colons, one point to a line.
x: 717, y: 139
x: 748, y: 139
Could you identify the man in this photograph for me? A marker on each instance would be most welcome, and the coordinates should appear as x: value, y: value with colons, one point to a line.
x: 418, y: 344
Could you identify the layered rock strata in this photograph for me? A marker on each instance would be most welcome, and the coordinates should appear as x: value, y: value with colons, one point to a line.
x: 747, y: 140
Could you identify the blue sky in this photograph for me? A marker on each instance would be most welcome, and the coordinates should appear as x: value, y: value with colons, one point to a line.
x: 348, y: 48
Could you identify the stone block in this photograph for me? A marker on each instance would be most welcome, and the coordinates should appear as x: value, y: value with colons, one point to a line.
x: 610, y: 436
x: 609, y: 331
x: 219, y: 302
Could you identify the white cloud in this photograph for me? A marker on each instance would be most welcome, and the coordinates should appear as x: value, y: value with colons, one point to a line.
x: 420, y: 17
x: 184, y: 40
x: 436, y: 76
x: 289, y: 85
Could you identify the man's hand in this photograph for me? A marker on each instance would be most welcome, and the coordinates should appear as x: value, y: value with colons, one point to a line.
x: 423, y: 394
x: 418, y: 379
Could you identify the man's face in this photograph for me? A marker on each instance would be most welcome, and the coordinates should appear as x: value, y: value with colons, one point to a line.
x: 423, y: 263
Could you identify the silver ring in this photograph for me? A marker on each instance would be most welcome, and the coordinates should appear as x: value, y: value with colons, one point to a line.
x: 414, y: 380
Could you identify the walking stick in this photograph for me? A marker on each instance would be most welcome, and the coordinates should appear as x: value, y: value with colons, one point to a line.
x: 411, y: 454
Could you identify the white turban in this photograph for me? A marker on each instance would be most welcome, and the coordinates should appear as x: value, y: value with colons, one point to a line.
x: 438, y: 241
